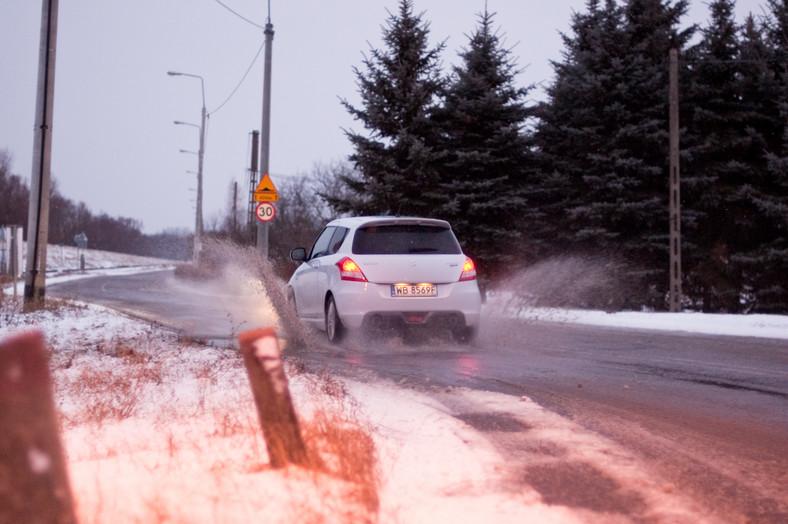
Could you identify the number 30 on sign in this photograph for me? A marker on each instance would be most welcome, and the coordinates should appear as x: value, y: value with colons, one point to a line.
x: 265, y: 211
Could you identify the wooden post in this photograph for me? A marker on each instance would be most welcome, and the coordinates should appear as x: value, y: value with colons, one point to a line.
x: 260, y: 350
x: 34, y: 483
x: 675, y: 187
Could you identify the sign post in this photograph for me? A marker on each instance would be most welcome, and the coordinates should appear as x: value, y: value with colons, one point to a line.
x: 264, y: 192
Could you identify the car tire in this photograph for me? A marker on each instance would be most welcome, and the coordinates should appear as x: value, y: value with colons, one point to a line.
x: 335, y: 331
x: 464, y: 335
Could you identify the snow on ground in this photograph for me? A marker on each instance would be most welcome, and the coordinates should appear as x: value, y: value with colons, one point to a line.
x: 64, y: 258
x: 158, y: 429
x: 763, y: 326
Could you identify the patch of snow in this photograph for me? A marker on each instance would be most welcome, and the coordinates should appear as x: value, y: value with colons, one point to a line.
x: 763, y: 326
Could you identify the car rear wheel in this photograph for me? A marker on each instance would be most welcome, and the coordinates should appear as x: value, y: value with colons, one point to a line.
x: 464, y: 335
x: 335, y: 331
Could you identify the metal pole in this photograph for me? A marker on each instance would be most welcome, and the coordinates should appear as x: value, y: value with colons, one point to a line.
x: 38, y: 210
x: 262, y: 227
x: 675, y: 200
x: 251, y: 221
x: 198, y: 214
x: 200, y: 153
x: 235, y: 210
x: 15, y: 256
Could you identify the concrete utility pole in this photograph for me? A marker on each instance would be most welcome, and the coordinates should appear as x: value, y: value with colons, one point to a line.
x: 675, y: 195
x: 200, y: 154
x: 38, y: 210
x: 265, y: 137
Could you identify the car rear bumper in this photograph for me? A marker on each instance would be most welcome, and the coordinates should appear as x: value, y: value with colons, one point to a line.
x: 365, y: 304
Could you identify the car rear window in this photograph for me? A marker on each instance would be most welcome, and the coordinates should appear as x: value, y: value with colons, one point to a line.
x: 404, y: 240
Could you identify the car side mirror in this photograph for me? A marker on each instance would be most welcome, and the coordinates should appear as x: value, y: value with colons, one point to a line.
x: 298, y: 254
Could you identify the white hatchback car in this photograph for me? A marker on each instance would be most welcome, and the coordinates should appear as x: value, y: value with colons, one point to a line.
x: 386, y: 273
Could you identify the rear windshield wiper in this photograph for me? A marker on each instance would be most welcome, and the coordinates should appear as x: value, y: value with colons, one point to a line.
x: 423, y: 250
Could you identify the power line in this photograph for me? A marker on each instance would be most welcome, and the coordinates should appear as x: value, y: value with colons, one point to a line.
x: 255, y: 56
x: 242, y: 79
x: 241, y: 16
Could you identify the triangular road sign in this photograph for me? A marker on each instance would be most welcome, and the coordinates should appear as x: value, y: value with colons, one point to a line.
x: 266, y: 185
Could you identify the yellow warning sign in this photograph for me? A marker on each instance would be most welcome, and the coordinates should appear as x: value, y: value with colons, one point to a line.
x: 265, y: 196
x: 265, y: 185
x: 266, y: 190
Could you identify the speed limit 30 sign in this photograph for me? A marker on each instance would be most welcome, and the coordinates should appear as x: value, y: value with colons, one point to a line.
x: 265, y: 211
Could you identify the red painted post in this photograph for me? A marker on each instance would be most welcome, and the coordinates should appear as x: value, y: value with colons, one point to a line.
x: 34, y: 483
x: 260, y: 350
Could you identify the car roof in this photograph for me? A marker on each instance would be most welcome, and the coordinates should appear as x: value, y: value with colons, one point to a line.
x: 385, y: 220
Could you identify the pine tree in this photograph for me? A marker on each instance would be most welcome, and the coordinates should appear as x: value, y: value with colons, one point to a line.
x: 735, y: 249
x: 400, y: 88
x: 14, y: 194
x: 485, y: 151
x: 569, y: 126
x: 767, y: 263
x: 720, y: 156
x: 604, y: 132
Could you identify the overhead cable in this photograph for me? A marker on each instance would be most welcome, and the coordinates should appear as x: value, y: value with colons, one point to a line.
x: 241, y: 16
x: 240, y: 81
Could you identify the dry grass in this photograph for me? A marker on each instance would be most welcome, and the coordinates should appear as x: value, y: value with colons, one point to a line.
x: 339, y: 444
x: 113, y: 394
x: 345, y: 450
x: 210, y: 447
x: 14, y: 307
x: 215, y: 450
x: 159, y: 428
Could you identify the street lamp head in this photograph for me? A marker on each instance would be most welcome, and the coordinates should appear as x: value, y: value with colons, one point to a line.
x: 174, y: 73
x: 178, y: 122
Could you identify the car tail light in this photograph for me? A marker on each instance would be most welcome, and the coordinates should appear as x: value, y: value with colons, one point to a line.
x: 468, y: 270
x: 349, y: 270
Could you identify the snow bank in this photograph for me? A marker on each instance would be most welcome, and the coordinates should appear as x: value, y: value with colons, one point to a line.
x: 764, y: 326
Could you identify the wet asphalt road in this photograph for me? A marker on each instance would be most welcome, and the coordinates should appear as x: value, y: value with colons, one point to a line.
x: 216, y: 311
x: 709, y: 414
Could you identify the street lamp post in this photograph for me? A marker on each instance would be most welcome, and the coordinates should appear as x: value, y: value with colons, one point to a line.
x: 196, y: 253
x: 198, y: 218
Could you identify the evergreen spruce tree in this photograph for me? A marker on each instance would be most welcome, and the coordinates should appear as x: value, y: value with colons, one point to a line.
x: 767, y: 263
x: 485, y: 153
x: 605, y: 132
x: 721, y: 155
x: 732, y: 181
x: 400, y: 88
x: 571, y: 128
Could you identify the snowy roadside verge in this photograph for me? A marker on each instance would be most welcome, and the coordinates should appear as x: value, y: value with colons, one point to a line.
x: 159, y: 429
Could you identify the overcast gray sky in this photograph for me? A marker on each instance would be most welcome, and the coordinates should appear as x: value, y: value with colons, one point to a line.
x: 115, y: 146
